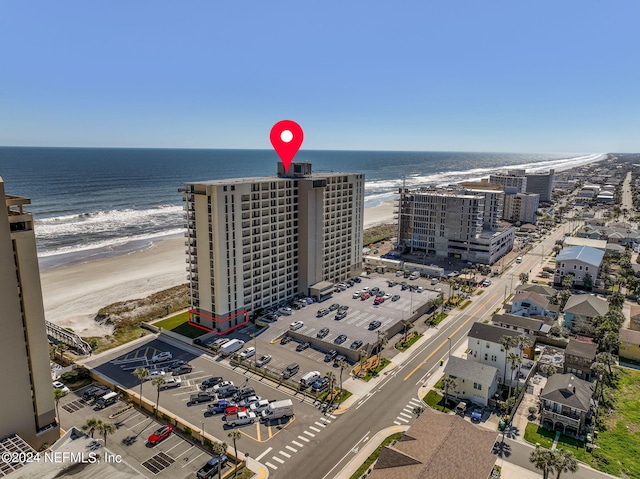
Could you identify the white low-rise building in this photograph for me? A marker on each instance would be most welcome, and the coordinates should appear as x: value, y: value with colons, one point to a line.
x: 578, y: 261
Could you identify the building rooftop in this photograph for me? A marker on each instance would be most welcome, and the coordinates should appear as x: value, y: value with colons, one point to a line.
x: 532, y: 297
x: 576, y: 241
x: 586, y: 305
x: 491, y: 332
x: 568, y: 390
x: 581, y: 349
x: 629, y: 336
x: 438, y: 446
x: 586, y: 254
x: 521, y: 322
x: 470, y: 369
x: 541, y: 289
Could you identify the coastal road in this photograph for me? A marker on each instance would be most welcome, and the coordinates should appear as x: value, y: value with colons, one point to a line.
x: 386, y: 405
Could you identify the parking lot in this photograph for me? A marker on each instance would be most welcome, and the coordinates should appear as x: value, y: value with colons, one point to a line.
x: 170, y: 458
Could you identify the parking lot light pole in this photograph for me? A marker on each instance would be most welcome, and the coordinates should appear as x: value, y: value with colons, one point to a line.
x: 449, y: 338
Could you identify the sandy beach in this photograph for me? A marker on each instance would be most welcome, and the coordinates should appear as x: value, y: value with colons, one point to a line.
x: 74, y: 293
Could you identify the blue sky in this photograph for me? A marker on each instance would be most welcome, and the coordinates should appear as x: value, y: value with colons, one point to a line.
x: 504, y: 76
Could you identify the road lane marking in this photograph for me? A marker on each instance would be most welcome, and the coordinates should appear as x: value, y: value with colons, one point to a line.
x: 291, y: 448
x: 271, y: 465
x: 320, y: 424
x: 402, y: 419
x: 309, y: 434
x: 398, y: 423
x: 404, y: 414
x: 314, y: 429
x: 303, y: 438
x: 288, y: 456
x: 276, y: 458
x: 267, y: 451
x: 297, y: 443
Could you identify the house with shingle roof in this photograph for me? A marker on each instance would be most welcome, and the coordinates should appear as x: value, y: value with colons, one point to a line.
x: 531, y: 304
x: 578, y: 261
x: 474, y: 381
x: 522, y: 324
x: 581, y: 309
x: 545, y: 291
x: 438, y: 446
x: 629, y: 344
x: 566, y: 404
x: 578, y: 358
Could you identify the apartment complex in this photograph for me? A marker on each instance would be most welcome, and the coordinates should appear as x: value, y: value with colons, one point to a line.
x: 521, y: 207
x: 254, y: 243
x: 28, y: 408
x: 460, y: 223
x: 513, y: 181
x: 541, y: 184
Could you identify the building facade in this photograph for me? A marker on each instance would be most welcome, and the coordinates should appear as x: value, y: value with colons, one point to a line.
x: 541, y: 184
x: 579, y: 261
x: 521, y: 207
x: 514, y: 181
x: 461, y: 224
x: 28, y: 407
x: 254, y: 243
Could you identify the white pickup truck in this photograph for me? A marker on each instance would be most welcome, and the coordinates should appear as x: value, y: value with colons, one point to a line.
x: 240, y: 419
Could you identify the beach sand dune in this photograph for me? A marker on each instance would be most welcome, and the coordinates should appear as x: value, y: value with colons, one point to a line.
x: 74, y: 293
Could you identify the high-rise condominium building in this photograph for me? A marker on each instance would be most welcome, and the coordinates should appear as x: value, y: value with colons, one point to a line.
x: 254, y: 243
x: 28, y: 408
x: 461, y: 224
x: 514, y: 181
x: 541, y: 184
x: 521, y: 207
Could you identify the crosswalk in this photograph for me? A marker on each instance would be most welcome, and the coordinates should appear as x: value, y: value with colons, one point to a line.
x: 407, y: 412
x: 275, y: 460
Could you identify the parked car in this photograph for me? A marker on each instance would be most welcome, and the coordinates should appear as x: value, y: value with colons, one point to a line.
x: 334, y: 306
x: 340, y: 339
x: 343, y: 308
x: 322, y: 312
x: 235, y: 409
x: 323, y: 333
x: 59, y: 385
x: 245, y: 393
x: 387, y: 296
x: 320, y: 384
x: 380, y: 294
x: 228, y: 392
x: 219, y: 406
x: 356, y: 344
x: 378, y: 301
x: 296, y: 325
x: 341, y: 315
x: 395, y: 297
x: 184, y: 369
x: 162, y: 433
x: 286, y: 339
x: 247, y: 353
x: 248, y: 401
x: 156, y: 373
x: 163, y: 356
x: 365, y: 296
x: 170, y: 383
x: 262, y: 360
x: 302, y: 346
x: 420, y: 289
x: 357, y: 294
x: 210, y: 382
x: 330, y: 355
x: 374, y: 325
x: 259, y: 406
x: 210, y: 469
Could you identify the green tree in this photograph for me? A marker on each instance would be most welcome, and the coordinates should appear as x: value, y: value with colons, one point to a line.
x: 158, y: 383
x: 57, y: 395
x: 342, y: 364
x: 548, y: 369
x: 418, y: 410
x: 587, y: 281
x: 608, y: 360
x: 515, y: 361
x: 235, y: 436
x: 447, y: 383
x: 407, y: 326
x: 142, y: 374
x: 507, y: 342
x: 562, y: 298
x: 219, y: 448
x: 524, y: 278
x: 332, y: 382
x: 91, y: 425
x: 567, y: 281
x: 564, y: 461
x: 106, y: 428
x: 616, y: 301
x: 542, y: 459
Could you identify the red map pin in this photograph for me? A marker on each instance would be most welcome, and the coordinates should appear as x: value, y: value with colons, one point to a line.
x: 286, y: 137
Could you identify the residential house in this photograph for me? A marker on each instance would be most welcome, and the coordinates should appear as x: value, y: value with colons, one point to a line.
x: 580, y: 311
x: 475, y: 381
x: 438, y: 446
x: 522, y: 324
x: 545, y: 291
x: 578, y: 358
x: 531, y: 304
x: 629, y: 344
x: 566, y: 404
x: 483, y: 345
x: 578, y: 261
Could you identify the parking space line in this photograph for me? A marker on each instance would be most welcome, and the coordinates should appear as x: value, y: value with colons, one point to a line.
x: 192, y: 460
x: 309, y: 434
x: 303, y: 438
x: 288, y: 456
x: 131, y: 417
x: 297, y: 443
x: 291, y: 448
x: 171, y: 448
x: 315, y: 429
x: 276, y: 458
x: 266, y: 451
x: 141, y: 422
x: 185, y: 452
x: 271, y: 465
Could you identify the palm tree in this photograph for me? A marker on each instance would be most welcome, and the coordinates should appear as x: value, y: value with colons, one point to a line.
x: 616, y: 301
x: 542, y: 459
x: 142, y: 374
x: 515, y: 361
x: 219, y: 448
x: 106, y: 428
x: 235, y: 436
x: 158, y: 382
x: 407, y: 326
x: 564, y: 461
x: 91, y: 425
x: 57, y: 395
x: 447, y: 383
x: 332, y: 380
x: 524, y: 278
x: 607, y: 359
x: 342, y: 364
x: 548, y: 369
x: 507, y: 342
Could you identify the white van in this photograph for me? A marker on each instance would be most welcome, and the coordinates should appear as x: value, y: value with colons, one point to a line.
x: 519, y: 259
x: 414, y: 275
x: 309, y: 378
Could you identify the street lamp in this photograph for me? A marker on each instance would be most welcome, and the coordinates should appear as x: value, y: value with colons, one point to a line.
x: 449, y: 338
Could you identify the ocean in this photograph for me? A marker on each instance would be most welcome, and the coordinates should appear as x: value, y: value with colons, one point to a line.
x: 95, y: 202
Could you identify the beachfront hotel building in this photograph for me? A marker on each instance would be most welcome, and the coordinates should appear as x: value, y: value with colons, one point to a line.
x: 521, y: 207
x: 28, y: 408
x: 513, y: 181
x: 462, y: 224
x: 541, y: 184
x: 255, y: 243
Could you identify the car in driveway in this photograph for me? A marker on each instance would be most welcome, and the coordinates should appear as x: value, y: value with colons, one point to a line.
x: 262, y: 360
x: 395, y: 297
x: 323, y: 333
x: 296, y: 325
x: 160, y: 434
x: 210, y: 382
x: 302, y: 346
x: 356, y: 344
x: 340, y: 339
x: 374, y: 325
x: 163, y: 356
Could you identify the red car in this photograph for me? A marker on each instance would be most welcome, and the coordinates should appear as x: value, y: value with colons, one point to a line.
x: 365, y: 296
x: 379, y: 300
x: 160, y: 434
x: 231, y: 410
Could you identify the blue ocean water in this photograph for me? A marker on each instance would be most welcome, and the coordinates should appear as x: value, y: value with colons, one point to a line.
x: 105, y: 200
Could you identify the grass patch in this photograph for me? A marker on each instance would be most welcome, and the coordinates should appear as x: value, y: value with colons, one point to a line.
x: 244, y: 473
x: 384, y: 362
x: 436, y: 401
x: 479, y: 292
x: 404, y: 345
x: 378, y: 233
x: 437, y: 319
x: 537, y: 435
x: 465, y: 304
x: 374, y: 455
x: 178, y: 324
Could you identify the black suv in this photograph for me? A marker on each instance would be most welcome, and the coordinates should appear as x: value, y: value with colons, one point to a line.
x: 94, y: 392
x: 334, y: 306
x: 209, y: 383
x: 330, y: 355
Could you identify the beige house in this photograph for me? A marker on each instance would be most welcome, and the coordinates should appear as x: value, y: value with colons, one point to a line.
x: 629, y: 344
x: 474, y: 381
